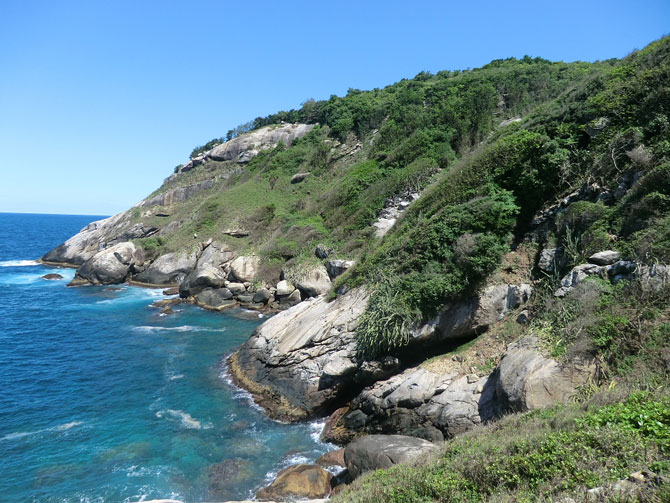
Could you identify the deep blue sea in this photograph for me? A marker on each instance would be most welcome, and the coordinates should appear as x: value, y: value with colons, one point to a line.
x: 104, y: 400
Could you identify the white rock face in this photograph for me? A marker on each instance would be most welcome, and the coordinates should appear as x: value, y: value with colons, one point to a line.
x: 245, y: 147
x: 244, y: 268
x: 284, y: 288
x: 168, y: 269
x: 307, y: 354
x: 315, y: 283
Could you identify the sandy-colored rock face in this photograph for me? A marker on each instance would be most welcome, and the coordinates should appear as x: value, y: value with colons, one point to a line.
x: 300, y: 360
x: 247, y: 146
x: 244, y: 268
x: 299, y: 481
x: 111, y: 265
x: 315, y: 283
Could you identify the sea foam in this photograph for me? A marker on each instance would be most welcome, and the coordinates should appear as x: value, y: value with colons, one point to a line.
x: 18, y: 263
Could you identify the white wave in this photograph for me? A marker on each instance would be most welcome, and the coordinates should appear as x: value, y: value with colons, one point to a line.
x: 183, y: 328
x: 316, y: 428
x: 18, y: 263
x: 186, y: 420
x: 60, y: 427
x: 176, y: 376
x: 240, y: 393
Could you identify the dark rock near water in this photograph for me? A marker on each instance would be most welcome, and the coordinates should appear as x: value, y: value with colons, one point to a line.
x: 214, y: 297
x: 52, y: 276
x: 168, y: 269
x: 228, y: 474
x: 111, y: 265
x: 332, y: 458
x: 262, y: 296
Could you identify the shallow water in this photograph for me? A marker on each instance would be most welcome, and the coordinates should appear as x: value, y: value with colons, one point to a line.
x: 102, y: 399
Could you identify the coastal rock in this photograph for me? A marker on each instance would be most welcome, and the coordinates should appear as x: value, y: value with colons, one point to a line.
x: 289, y: 301
x: 299, y: 481
x: 262, y: 296
x: 420, y: 403
x: 246, y: 146
x: 215, y: 298
x: 110, y: 266
x: 332, y: 458
x: 528, y: 380
x: 168, y: 269
x: 284, y: 288
x: 226, y: 475
x: 244, y: 268
x: 300, y: 361
x: 85, y: 244
x: 316, y: 282
x: 208, y: 271
x: 336, y: 268
x: 178, y: 194
x: 374, y: 452
x: 473, y: 315
x: 52, y: 276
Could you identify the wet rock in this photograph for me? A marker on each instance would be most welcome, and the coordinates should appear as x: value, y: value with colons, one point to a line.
x: 52, y: 276
x: 228, y: 474
x: 299, y: 481
x: 374, y: 452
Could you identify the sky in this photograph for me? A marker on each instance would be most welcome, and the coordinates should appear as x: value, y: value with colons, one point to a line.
x: 100, y: 100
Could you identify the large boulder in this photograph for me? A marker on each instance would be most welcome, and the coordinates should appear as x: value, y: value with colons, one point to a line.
x: 110, y: 266
x: 336, y: 268
x: 209, y: 271
x: 473, y: 315
x: 215, y: 298
x: 300, y: 361
x: 246, y: 146
x: 420, y: 403
x: 315, y: 282
x: 85, y: 244
x: 168, y: 269
x: 374, y: 452
x: 244, y: 268
x: 528, y: 380
x: 298, y: 481
x: 178, y: 194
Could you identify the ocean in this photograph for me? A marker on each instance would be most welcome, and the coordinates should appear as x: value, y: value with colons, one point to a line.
x: 102, y: 399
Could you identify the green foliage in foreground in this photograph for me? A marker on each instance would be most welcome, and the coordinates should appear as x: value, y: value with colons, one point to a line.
x: 538, y: 456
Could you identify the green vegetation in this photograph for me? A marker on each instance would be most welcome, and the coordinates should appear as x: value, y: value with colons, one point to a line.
x: 544, y: 455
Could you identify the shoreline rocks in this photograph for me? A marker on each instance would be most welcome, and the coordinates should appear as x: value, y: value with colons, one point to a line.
x: 110, y: 266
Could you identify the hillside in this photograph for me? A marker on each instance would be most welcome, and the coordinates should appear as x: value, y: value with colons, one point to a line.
x: 445, y: 251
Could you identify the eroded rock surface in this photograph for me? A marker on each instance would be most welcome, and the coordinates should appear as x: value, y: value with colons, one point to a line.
x: 245, y: 147
x: 298, y: 481
x: 303, y: 359
x: 168, y: 269
x: 111, y: 265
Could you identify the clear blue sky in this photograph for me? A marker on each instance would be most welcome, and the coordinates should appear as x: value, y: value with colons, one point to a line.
x: 99, y: 100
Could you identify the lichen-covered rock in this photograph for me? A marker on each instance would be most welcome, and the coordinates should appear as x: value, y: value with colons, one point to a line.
x: 298, y: 481
x: 246, y: 146
x: 110, y: 266
x: 374, y: 452
x: 168, y: 269
x: 528, y: 380
x: 300, y: 361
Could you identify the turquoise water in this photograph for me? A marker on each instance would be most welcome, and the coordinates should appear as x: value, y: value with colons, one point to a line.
x: 104, y: 400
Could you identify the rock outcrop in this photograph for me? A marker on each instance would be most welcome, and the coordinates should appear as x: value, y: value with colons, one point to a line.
x: 298, y: 481
x: 528, y: 380
x: 473, y: 315
x: 303, y: 359
x: 316, y: 282
x: 168, y: 269
x: 244, y: 268
x: 110, y: 266
x: 178, y: 194
x: 374, y: 452
x: 209, y: 271
x: 245, y: 147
